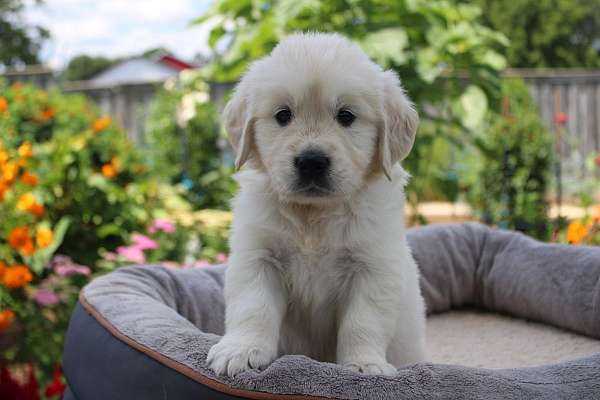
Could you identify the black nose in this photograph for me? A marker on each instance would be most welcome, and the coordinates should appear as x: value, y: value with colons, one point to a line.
x: 312, y: 164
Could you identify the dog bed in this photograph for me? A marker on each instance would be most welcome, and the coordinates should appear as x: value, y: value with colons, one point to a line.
x: 143, y: 332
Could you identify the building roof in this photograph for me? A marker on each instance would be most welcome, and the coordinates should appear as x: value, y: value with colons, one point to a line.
x: 140, y: 69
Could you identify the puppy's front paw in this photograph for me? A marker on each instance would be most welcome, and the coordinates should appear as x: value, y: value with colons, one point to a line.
x: 233, y: 355
x: 371, y: 367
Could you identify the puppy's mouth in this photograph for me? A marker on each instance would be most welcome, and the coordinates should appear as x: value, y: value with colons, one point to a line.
x: 313, y: 189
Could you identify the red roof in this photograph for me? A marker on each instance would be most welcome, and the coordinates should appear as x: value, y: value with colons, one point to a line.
x: 175, y: 63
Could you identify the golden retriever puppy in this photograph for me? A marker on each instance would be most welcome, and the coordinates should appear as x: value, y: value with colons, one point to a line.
x: 319, y: 260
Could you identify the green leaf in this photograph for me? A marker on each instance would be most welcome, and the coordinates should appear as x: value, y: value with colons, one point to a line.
x: 473, y: 103
x: 108, y: 230
x: 494, y: 60
x: 215, y: 35
x: 428, y: 65
x: 387, y: 44
x: 285, y: 10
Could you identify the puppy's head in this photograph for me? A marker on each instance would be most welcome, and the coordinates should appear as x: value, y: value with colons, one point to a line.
x: 320, y: 118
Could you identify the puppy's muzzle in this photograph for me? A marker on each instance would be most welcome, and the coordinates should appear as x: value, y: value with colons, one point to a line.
x: 313, y: 169
x: 312, y: 165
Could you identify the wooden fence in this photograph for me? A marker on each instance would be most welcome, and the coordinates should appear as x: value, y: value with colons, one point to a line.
x: 129, y: 104
x: 573, y: 95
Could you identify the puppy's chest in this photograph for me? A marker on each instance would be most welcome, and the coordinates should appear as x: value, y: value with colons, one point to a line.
x: 312, y: 277
x: 317, y: 285
x: 316, y: 266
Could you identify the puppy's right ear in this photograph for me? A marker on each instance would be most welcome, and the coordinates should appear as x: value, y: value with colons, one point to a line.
x: 239, y: 126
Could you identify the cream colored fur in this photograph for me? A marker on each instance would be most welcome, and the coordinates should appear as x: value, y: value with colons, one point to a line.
x: 331, y: 276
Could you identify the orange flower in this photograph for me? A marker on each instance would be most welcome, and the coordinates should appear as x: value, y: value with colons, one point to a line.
x: 9, y: 172
x: 19, y: 240
x: 2, y: 269
x: 47, y: 114
x: 29, y: 179
x: 576, y: 232
x: 16, y: 277
x: 28, y: 248
x: 3, y: 104
x: 25, y: 150
x: 3, y: 156
x: 43, y: 237
x: 101, y: 124
x: 26, y: 201
x: 6, y: 319
x: 109, y: 170
x: 18, y: 237
x: 37, y: 209
x: 3, y: 190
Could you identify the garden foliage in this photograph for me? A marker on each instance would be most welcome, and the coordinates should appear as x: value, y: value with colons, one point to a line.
x: 185, y: 145
x: 76, y: 199
x: 514, y: 178
x: 433, y: 45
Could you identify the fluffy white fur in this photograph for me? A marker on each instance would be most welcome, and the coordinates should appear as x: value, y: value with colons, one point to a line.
x: 331, y: 276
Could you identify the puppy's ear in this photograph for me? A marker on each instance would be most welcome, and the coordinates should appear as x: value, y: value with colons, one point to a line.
x: 399, y: 126
x: 239, y: 126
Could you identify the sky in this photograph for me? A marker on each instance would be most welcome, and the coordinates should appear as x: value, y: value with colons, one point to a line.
x: 115, y: 28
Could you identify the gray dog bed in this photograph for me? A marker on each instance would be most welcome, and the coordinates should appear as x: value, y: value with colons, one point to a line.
x: 144, y: 332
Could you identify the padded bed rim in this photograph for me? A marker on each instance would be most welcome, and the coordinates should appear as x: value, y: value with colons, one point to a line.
x: 183, y: 369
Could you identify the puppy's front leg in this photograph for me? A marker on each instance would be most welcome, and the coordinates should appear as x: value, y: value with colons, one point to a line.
x: 255, y: 304
x: 367, y: 323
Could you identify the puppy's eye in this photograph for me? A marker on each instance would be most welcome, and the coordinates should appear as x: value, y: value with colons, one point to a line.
x: 283, y: 116
x: 345, y: 117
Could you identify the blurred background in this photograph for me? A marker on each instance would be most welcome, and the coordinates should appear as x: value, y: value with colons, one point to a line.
x: 112, y: 153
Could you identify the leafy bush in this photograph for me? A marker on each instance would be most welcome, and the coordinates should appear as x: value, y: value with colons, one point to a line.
x: 72, y: 188
x: 514, y: 176
x: 432, y: 44
x: 88, y: 169
x: 184, y: 142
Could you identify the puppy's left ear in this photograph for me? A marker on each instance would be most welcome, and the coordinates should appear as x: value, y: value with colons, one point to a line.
x: 239, y: 126
x: 399, y: 126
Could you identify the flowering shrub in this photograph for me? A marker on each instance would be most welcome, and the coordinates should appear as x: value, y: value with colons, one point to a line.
x: 77, y: 165
x: 72, y: 188
x: 185, y: 142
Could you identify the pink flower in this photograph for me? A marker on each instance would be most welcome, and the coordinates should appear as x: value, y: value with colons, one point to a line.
x: 64, y: 266
x: 45, y: 297
x: 221, y: 258
x: 134, y: 254
x: 163, y: 225
x: 201, y: 264
x: 598, y: 161
x: 143, y: 242
x: 68, y: 270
